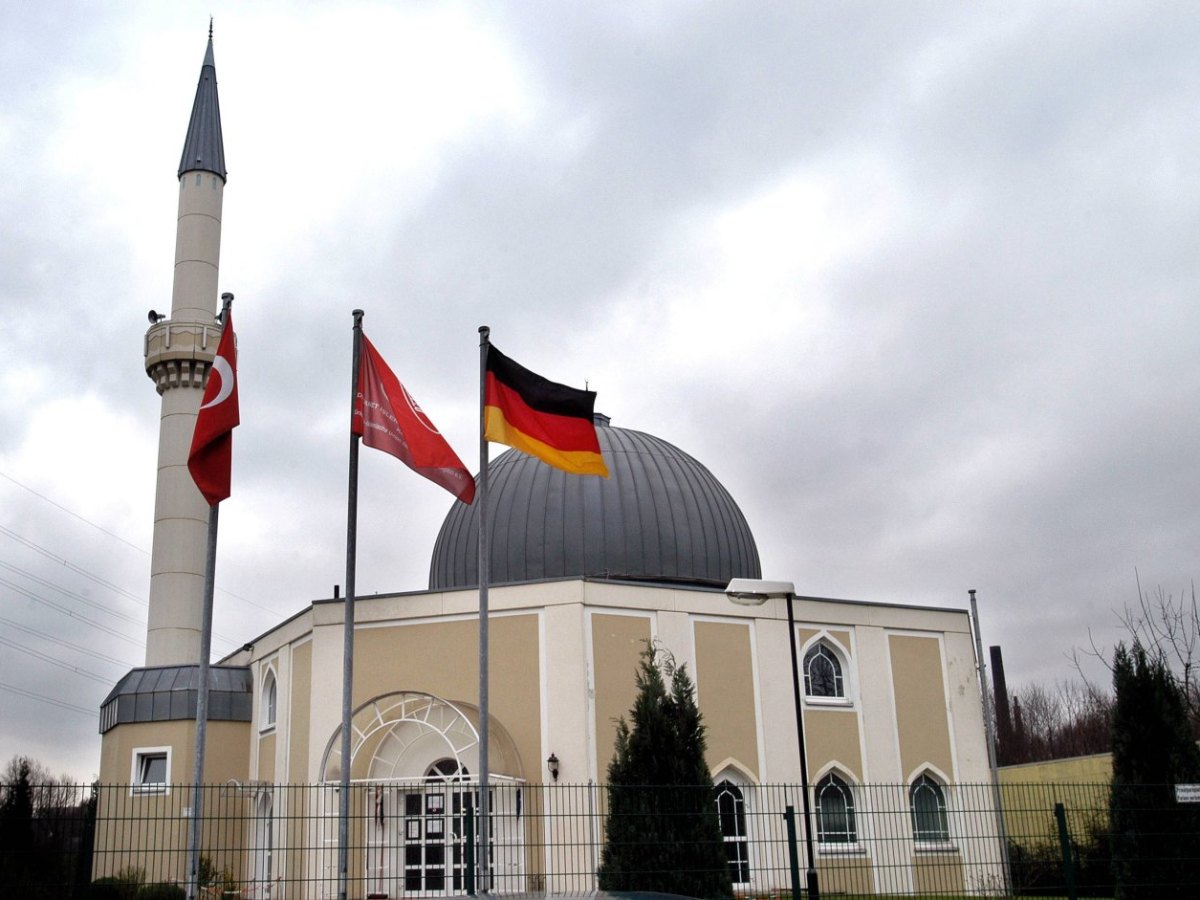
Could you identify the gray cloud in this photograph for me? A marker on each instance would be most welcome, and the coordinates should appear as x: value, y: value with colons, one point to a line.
x: 916, y: 283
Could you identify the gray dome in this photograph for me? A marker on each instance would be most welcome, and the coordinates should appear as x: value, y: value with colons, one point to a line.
x: 660, y: 516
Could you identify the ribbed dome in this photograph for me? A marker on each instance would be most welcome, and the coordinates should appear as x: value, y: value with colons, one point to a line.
x: 660, y: 516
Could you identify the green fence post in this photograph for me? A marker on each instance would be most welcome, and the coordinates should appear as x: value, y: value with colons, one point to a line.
x: 789, y: 816
x: 1064, y: 840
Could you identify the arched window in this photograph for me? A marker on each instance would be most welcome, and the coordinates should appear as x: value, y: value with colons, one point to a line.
x: 731, y: 809
x: 927, y: 800
x: 447, y: 770
x: 269, y: 693
x: 823, y: 672
x: 835, y: 811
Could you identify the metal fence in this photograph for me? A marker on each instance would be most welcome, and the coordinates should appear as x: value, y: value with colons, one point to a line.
x: 411, y: 839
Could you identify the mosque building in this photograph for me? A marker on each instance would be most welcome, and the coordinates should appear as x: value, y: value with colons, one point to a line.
x: 584, y: 572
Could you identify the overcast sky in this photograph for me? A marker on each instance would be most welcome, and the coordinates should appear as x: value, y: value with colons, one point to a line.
x: 917, y: 282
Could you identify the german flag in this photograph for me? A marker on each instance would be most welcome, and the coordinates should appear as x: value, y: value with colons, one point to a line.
x: 550, y: 421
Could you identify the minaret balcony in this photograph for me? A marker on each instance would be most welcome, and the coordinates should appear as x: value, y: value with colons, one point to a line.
x: 178, y: 354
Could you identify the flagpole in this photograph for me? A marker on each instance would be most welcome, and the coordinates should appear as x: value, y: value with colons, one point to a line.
x: 348, y: 628
x: 484, y: 883
x: 202, y: 705
x: 210, y: 572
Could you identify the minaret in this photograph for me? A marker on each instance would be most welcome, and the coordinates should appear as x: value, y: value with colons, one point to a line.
x: 179, y: 351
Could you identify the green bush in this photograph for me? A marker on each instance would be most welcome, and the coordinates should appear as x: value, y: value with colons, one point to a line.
x: 210, y: 877
x: 106, y: 888
x: 161, y: 891
x: 110, y: 888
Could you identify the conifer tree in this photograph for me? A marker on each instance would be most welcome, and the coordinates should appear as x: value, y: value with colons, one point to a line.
x: 662, y: 832
x: 1155, y: 839
x: 16, y: 826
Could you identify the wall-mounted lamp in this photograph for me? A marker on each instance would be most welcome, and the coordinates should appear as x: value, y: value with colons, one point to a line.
x: 552, y: 765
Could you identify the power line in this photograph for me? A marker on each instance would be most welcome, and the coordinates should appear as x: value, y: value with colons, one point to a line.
x: 62, y: 643
x: 33, y: 545
x: 43, y: 699
x: 49, y: 554
x: 71, y: 613
x: 79, y: 570
x: 74, y: 514
x: 66, y: 592
x: 55, y: 662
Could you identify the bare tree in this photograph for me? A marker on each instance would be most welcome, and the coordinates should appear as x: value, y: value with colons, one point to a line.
x: 1167, y: 627
x: 46, y: 791
x: 1073, y: 719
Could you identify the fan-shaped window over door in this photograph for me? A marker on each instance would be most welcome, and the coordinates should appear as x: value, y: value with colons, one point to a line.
x: 416, y: 754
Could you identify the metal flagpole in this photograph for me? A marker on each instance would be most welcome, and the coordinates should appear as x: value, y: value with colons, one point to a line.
x: 483, y: 856
x: 348, y: 628
x: 990, y: 732
x: 210, y: 573
x: 210, y: 568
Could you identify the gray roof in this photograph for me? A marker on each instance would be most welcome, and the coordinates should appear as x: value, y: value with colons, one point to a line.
x: 204, y: 148
x: 168, y: 693
x: 660, y: 517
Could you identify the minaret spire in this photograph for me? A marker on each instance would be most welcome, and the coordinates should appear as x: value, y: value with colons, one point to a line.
x: 204, y: 148
x: 179, y: 352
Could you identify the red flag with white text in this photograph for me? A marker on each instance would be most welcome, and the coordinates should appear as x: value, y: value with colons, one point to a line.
x: 211, y: 458
x: 389, y: 419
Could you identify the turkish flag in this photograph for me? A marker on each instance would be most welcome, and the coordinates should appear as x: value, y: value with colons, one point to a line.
x: 389, y: 419
x: 211, y: 458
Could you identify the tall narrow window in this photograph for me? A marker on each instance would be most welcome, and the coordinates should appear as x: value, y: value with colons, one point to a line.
x: 731, y: 809
x: 269, y: 693
x: 928, y: 803
x: 822, y: 673
x: 835, y: 812
x: 264, y: 844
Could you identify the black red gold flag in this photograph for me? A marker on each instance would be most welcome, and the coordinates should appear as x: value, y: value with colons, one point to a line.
x: 550, y: 421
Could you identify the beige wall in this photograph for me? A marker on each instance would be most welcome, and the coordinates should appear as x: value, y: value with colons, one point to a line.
x: 266, y: 756
x: 922, y: 724
x: 1093, y: 769
x: 1030, y: 791
x: 442, y: 658
x: 937, y: 872
x: 299, y: 700
x: 124, y: 815
x: 725, y: 687
x: 831, y: 735
x: 617, y: 643
x: 845, y: 875
x: 226, y: 750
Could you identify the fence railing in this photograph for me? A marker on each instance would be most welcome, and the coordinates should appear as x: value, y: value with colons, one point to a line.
x: 407, y: 838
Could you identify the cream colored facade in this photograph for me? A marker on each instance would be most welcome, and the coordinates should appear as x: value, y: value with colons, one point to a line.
x: 563, y: 661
